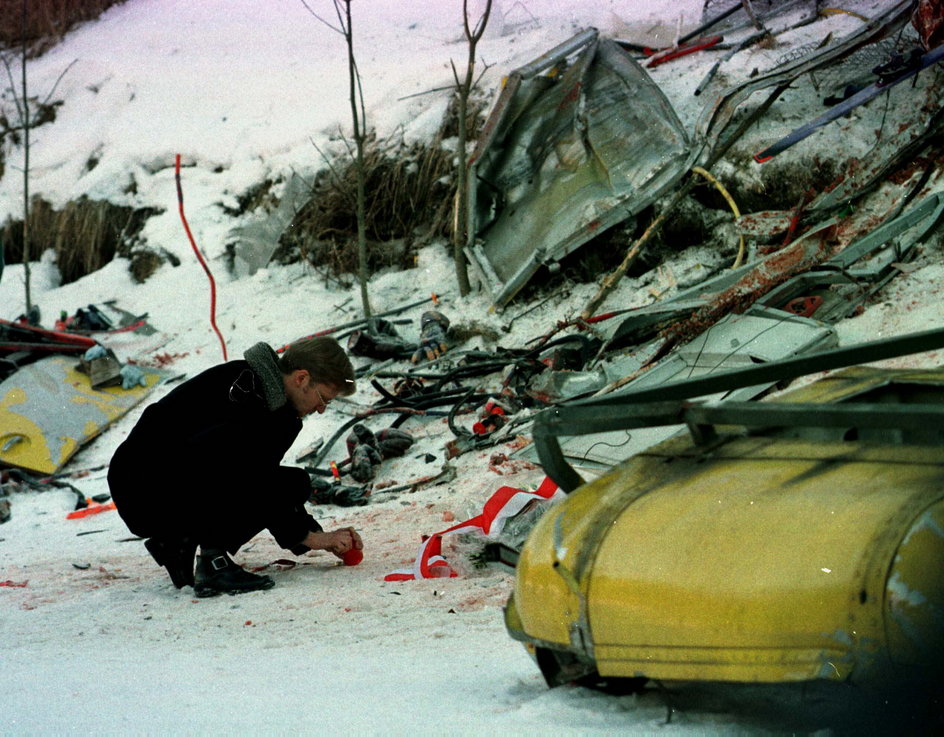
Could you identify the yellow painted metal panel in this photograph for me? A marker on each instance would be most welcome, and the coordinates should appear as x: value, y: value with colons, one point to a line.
x: 764, y: 561
x: 551, y: 582
x: 755, y: 568
x: 757, y: 559
x: 774, y: 664
x: 552, y: 606
x: 914, y: 599
x: 48, y: 410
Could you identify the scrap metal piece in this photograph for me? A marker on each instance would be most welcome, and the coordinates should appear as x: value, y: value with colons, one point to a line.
x: 736, y: 342
x: 255, y: 239
x: 846, y: 106
x: 763, y: 333
x: 566, y: 155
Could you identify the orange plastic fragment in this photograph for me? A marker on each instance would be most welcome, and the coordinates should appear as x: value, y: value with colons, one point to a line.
x: 92, y: 508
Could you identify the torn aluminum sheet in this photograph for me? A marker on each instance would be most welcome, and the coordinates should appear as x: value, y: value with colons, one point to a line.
x: 862, y: 268
x: 737, y: 341
x: 254, y: 241
x: 566, y: 155
x: 48, y: 410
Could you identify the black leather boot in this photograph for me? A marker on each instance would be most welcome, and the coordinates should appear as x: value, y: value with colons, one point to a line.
x: 176, y: 555
x: 217, y: 574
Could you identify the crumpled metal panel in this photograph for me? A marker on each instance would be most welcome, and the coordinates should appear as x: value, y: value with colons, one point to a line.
x: 48, y: 410
x: 566, y: 158
x: 737, y: 341
x: 764, y: 333
x: 255, y: 239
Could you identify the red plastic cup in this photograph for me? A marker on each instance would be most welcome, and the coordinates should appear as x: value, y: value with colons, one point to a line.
x: 352, y: 557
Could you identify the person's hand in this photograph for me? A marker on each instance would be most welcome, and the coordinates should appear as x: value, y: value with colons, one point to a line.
x: 344, y: 540
x: 337, y: 542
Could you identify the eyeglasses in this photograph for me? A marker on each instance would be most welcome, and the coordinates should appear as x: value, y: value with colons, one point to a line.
x: 320, y: 396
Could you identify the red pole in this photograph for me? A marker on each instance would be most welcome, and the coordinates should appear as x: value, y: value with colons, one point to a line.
x: 193, y: 243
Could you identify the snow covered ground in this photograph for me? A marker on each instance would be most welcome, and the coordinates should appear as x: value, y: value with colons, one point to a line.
x: 93, y: 637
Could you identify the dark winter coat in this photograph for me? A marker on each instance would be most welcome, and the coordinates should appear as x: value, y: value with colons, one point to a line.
x: 204, y: 461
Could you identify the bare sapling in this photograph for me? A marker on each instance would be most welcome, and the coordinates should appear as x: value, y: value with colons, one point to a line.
x: 342, y: 9
x: 26, y: 122
x: 461, y: 234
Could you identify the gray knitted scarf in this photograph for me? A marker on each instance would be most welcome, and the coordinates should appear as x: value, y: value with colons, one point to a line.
x: 265, y: 364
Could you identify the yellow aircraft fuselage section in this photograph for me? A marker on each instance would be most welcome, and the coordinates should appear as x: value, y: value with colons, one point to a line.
x: 762, y: 560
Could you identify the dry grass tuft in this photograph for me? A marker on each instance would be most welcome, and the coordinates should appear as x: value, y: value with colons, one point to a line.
x: 409, y: 190
x: 85, y: 235
x: 144, y: 262
x: 47, y: 21
x: 410, y: 194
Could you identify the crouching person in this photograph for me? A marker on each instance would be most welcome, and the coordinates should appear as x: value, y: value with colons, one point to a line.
x: 202, y: 467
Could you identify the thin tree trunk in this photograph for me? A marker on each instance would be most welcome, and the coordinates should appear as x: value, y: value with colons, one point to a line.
x: 26, y: 153
x: 461, y: 233
x: 359, y: 139
x: 362, y: 229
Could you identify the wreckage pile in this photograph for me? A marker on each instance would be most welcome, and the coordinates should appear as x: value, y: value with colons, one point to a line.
x: 582, y: 139
x: 583, y: 143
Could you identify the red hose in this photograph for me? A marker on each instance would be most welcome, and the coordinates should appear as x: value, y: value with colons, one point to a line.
x: 180, y: 200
